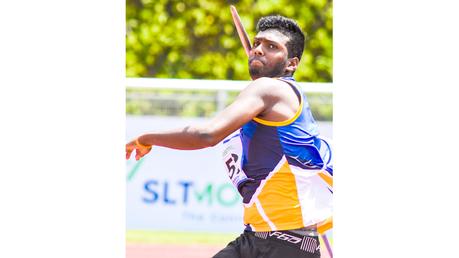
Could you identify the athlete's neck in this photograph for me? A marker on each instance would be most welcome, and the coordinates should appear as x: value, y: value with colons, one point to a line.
x: 278, y: 76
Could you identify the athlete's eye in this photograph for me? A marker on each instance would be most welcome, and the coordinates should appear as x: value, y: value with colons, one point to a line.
x: 272, y: 46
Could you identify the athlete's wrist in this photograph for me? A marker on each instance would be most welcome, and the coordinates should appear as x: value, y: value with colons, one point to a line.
x: 140, y: 142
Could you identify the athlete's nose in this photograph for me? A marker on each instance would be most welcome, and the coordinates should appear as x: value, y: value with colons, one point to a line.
x: 257, y: 50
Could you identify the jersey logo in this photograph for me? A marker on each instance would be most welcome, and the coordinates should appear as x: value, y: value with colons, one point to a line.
x: 285, y: 237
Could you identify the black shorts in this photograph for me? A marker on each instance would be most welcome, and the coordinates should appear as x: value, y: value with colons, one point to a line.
x: 274, y: 244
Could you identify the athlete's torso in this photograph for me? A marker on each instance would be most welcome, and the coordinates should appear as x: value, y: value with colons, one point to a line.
x: 283, y: 160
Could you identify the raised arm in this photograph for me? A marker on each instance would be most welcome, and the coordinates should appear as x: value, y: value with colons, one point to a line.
x: 251, y: 101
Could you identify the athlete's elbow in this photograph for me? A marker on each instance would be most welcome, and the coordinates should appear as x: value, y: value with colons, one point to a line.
x: 200, y: 137
x: 208, y: 139
x: 207, y: 136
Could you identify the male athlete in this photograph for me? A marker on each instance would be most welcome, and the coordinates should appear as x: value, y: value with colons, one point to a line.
x: 276, y: 156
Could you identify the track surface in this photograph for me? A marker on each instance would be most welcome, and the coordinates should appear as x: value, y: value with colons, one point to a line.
x: 171, y: 251
x: 177, y: 251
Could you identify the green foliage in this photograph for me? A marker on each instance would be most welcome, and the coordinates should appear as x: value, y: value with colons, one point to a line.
x: 197, y: 38
x: 321, y: 106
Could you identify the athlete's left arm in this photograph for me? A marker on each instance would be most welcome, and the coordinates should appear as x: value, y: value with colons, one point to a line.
x: 253, y: 100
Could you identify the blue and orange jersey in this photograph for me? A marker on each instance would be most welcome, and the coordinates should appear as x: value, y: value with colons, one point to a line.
x: 288, y: 165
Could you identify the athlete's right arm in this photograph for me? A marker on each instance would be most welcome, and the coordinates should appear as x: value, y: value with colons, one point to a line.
x: 252, y: 101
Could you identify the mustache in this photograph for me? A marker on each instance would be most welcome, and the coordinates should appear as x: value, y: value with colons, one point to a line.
x: 251, y: 59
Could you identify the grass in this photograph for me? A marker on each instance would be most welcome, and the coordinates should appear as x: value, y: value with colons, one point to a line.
x: 170, y: 237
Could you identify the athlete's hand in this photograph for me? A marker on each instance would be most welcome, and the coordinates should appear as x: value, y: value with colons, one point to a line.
x: 140, y: 150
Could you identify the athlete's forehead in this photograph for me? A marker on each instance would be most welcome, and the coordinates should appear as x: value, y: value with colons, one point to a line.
x: 272, y: 35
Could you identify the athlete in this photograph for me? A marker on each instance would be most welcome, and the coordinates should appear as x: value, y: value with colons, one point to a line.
x: 273, y: 152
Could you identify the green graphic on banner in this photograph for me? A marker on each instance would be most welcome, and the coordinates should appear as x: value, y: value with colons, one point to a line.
x: 206, y: 193
x: 134, y: 169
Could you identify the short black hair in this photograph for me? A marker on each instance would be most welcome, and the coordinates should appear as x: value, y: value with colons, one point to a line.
x: 289, y: 28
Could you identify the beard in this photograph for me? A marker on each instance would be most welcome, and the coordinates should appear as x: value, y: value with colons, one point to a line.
x: 263, y: 70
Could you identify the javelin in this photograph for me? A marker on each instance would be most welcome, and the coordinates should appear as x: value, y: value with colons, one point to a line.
x: 243, y: 36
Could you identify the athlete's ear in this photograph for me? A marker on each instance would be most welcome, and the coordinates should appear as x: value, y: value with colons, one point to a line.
x: 292, y: 64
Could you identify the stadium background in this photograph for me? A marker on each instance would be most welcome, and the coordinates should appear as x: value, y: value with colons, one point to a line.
x: 197, y: 40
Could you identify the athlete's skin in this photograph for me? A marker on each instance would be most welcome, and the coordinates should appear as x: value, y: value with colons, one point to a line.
x: 265, y: 98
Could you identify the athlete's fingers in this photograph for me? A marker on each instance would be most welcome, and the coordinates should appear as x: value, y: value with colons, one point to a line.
x: 137, y: 154
x: 140, y: 152
x: 129, y: 148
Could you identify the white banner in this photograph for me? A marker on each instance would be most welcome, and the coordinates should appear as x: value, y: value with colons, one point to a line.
x: 181, y: 190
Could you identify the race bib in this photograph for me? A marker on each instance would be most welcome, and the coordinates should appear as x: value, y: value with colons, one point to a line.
x: 232, y: 159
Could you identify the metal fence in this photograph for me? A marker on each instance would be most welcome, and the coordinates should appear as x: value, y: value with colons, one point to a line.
x: 204, y: 98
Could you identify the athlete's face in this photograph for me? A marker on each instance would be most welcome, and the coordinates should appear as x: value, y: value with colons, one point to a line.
x: 269, y: 55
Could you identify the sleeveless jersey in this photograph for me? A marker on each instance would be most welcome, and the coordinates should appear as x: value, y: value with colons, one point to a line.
x: 285, y: 162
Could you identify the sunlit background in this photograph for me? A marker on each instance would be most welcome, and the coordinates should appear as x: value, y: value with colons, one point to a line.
x: 196, y: 40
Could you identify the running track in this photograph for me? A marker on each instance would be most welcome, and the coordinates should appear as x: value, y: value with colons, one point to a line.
x: 176, y: 251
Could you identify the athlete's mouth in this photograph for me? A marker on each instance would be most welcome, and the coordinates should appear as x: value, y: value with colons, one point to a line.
x: 256, y: 61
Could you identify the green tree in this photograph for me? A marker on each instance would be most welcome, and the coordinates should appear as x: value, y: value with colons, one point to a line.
x: 197, y: 38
